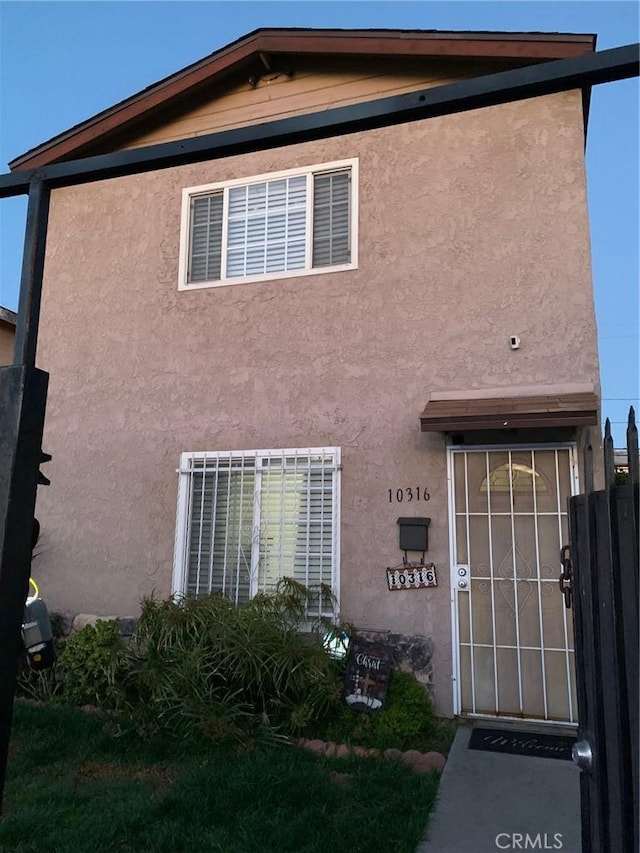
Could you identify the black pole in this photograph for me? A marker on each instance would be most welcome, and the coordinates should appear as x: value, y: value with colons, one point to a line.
x: 24, y: 351
x: 23, y: 396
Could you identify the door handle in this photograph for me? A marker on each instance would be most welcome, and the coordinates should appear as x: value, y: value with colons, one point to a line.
x: 582, y: 755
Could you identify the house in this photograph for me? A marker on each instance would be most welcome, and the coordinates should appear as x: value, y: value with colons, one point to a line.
x: 331, y: 359
x: 7, y: 335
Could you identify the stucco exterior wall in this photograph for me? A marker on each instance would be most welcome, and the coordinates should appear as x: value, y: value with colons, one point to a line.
x: 7, y: 337
x: 472, y: 228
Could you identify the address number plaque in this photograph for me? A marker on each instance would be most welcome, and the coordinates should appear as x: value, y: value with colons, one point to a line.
x: 410, y: 576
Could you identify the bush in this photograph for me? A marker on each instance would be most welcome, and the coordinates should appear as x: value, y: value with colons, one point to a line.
x: 205, y: 666
x: 91, y: 663
x: 202, y: 667
x: 38, y: 685
x: 406, y: 721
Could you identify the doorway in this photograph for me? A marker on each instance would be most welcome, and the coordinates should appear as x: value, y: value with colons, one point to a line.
x: 513, y: 637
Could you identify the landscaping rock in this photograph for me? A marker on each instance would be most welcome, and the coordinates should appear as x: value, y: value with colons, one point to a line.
x: 330, y: 749
x: 410, y: 652
x: 393, y: 754
x: 412, y: 757
x: 83, y: 619
x: 127, y: 624
x: 436, y: 759
x: 420, y: 762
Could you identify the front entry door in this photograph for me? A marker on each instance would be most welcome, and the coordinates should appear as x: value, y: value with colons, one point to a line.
x: 512, y: 632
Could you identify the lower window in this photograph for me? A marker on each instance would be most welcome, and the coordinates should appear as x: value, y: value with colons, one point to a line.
x: 248, y: 518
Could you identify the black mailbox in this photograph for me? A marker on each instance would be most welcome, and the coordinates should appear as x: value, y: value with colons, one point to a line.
x: 413, y: 534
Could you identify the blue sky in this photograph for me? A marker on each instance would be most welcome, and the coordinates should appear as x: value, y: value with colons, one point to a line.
x: 63, y: 62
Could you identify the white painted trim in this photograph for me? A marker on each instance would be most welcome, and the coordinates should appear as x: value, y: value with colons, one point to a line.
x: 453, y: 561
x: 190, y: 192
x: 332, y: 166
x: 182, y: 513
x: 537, y: 720
x: 276, y: 276
x: 179, y: 576
x: 337, y: 481
x: 548, y: 445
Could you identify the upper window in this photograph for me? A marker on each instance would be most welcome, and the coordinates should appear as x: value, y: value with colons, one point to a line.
x: 286, y: 224
x: 248, y: 518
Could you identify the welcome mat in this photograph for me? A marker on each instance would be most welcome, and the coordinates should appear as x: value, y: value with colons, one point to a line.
x: 522, y: 743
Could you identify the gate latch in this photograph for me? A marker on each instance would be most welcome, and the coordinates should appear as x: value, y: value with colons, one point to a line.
x: 566, y: 578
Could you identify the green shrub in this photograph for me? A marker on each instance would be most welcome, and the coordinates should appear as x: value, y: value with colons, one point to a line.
x: 90, y: 665
x: 40, y: 685
x: 205, y: 666
x: 406, y: 721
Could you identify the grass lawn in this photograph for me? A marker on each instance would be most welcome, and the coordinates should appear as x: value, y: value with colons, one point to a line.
x: 72, y: 789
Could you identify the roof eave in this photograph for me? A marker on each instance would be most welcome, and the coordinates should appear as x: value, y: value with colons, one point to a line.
x: 517, y: 47
x: 8, y: 317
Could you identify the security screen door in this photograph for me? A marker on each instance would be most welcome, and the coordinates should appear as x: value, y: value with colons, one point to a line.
x: 514, y: 635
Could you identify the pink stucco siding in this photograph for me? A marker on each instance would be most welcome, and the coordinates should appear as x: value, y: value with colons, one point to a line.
x: 7, y: 337
x: 472, y: 228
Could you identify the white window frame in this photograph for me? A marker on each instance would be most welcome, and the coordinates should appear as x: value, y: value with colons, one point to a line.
x: 190, y: 192
x: 185, y: 471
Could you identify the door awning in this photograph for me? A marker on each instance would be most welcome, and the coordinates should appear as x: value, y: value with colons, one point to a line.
x: 536, y: 407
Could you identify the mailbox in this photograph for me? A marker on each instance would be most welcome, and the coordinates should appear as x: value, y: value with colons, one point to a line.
x: 413, y: 534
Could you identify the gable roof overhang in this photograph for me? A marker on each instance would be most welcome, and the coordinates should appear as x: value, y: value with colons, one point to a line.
x: 265, y: 47
x: 537, y: 407
x: 7, y: 317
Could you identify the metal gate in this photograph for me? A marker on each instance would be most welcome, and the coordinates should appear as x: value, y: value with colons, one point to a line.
x: 600, y: 582
x: 513, y: 640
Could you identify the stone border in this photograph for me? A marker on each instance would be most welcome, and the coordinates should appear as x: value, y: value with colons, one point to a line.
x: 419, y: 762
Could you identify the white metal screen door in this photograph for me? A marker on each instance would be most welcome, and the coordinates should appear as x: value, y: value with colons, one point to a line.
x: 514, y: 636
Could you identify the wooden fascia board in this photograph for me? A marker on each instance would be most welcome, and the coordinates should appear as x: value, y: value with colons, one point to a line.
x: 539, y: 421
x: 8, y: 317
x: 437, y: 45
x: 516, y: 47
x: 510, y: 413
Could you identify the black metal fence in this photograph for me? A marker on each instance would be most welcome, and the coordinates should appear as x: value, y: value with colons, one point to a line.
x: 600, y: 583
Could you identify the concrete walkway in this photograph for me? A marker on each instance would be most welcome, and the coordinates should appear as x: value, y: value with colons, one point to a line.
x: 490, y: 801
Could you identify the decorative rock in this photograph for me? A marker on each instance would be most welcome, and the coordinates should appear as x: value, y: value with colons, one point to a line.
x: 127, y: 624
x: 410, y: 652
x: 422, y: 766
x: 436, y: 760
x: 83, y: 619
x: 411, y: 757
x: 418, y: 761
x: 393, y: 754
x: 61, y: 623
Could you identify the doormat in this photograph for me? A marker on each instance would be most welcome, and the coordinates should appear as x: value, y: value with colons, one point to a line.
x: 522, y: 743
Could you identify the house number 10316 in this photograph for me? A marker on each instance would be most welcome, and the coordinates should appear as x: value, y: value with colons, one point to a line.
x: 419, y: 493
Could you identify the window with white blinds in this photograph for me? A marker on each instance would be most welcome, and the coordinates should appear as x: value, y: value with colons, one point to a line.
x: 270, y: 226
x: 246, y: 519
